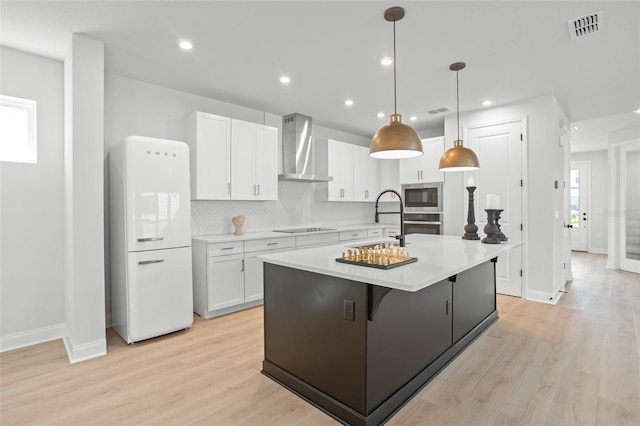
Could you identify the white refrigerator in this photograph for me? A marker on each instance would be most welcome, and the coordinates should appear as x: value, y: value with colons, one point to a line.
x: 150, y: 209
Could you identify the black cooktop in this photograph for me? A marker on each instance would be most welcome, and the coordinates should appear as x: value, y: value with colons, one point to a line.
x: 302, y: 230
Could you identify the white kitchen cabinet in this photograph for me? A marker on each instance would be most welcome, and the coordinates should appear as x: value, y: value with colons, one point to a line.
x: 317, y: 240
x: 253, y: 270
x: 375, y: 233
x: 424, y: 168
x: 365, y: 175
x: 340, y: 166
x: 357, y: 234
x: 209, y: 139
x: 225, y: 281
x: 232, y: 159
x: 254, y: 161
x: 389, y: 179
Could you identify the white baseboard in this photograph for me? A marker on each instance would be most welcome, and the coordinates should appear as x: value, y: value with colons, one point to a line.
x: 544, y: 297
x: 31, y: 337
x: 598, y: 250
x: 85, y: 351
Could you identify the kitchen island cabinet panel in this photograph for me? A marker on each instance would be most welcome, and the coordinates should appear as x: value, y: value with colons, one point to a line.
x: 394, y: 358
x: 474, y: 298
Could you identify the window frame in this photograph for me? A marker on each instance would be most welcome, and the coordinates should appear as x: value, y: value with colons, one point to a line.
x: 30, y: 106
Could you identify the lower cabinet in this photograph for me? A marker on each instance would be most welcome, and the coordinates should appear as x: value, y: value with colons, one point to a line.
x: 228, y: 277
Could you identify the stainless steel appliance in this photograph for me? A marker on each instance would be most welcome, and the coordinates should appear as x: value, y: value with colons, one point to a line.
x: 423, y: 223
x: 422, y: 208
x: 422, y: 197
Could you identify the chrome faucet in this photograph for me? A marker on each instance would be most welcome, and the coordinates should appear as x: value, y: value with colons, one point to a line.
x: 401, y: 213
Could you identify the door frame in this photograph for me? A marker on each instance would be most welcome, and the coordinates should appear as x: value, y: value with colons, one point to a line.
x: 524, y: 172
x: 588, y: 164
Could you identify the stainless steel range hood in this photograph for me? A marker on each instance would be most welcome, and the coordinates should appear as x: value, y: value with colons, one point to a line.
x: 298, y: 156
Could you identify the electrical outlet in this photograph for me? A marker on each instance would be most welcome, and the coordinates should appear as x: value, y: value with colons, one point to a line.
x: 349, y: 310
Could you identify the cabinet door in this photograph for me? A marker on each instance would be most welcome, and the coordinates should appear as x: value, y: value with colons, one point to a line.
x: 389, y: 179
x: 340, y: 166
x: 266, y: 162
x: 242, y: 160
x: 254, y: 274
x: 433, y: 150
x: 365, y: 175
x: 225, y: 281
x: 425, y: 167
x: 209, y: 138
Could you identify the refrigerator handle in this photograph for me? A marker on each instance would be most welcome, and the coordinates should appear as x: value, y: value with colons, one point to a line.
x: 146, y: 240
x: 149, y: 262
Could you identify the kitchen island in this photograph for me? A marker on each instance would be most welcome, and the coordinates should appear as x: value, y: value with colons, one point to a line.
x: 359, y: 342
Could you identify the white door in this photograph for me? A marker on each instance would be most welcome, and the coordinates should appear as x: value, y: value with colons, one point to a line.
x: 630, y: 205
x: 499, y: 149
x: 579, y: 184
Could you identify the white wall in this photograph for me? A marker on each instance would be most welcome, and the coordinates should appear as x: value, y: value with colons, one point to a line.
x: 31, y: 212
x: 598, y: 201
x: 545, y: 166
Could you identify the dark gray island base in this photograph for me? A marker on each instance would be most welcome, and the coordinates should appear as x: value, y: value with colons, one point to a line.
x: 359, y: 351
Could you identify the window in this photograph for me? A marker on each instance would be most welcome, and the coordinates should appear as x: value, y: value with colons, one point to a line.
x: 18, y: 130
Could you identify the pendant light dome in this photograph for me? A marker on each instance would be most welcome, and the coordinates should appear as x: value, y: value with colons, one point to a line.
x: 395, y: 140
x: 458, y: 158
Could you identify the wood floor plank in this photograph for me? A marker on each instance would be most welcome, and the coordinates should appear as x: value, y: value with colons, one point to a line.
x: 576, y: 362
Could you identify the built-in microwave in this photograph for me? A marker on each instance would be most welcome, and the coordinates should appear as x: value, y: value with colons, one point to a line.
x: 422, y: 197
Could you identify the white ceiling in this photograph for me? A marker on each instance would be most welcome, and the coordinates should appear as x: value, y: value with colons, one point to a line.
x: 514, y: 50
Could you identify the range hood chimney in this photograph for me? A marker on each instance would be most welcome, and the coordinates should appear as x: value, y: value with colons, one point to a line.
x: 298, y: 154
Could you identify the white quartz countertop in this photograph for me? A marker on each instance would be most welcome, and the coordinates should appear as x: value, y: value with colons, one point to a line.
x: 225, y: 238
x: 439, y: 257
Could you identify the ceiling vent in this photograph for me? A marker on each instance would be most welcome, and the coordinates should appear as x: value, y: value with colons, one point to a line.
x: 586, y: 25
x: 438, y: 111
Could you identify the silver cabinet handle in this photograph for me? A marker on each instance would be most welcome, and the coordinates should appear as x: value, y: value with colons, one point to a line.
x: 146, y: 240
x: 242, y: 270
x: 272, y: 244
x: 258, y: 189
x: 226, y: 248
x: 149, y: 262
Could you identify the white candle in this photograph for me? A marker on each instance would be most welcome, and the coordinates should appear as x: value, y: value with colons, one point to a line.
x: 470, y: 181
x: 492, y: 201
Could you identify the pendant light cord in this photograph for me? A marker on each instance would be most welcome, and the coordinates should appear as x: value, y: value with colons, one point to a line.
x: 395, y: 101
x: 458, y: 104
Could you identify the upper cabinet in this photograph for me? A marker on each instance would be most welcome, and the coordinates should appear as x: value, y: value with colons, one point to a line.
x: 389, y: 179
x: 232, y: 159
x: 254, y: 161
x: 365, y: 175
x: 425, y: 167
x: 209, y: 139
x: 355, y: 174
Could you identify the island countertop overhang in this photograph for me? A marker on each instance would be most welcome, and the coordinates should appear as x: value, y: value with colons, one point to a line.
x: 439, y: 257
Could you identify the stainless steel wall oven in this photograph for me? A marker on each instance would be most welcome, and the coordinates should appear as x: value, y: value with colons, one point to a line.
x: 422, y: 208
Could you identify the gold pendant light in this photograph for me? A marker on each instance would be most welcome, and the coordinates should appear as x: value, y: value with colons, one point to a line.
x: 458, y: 158
x: 395, y: 140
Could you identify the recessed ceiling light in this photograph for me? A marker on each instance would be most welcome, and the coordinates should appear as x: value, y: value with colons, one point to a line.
x: 486, y: 103
x: 386, y: 61
x: 348, y: 102
x: 413, y: 118
x: 185, y: 44
x: 575, y: 127
x: 380, y: 114
x: 285, y: 80
x: 637, y: 111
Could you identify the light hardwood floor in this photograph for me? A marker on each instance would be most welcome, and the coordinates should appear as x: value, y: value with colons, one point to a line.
x: 574, y: 363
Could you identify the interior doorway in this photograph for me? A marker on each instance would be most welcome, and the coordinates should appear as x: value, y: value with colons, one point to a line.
x: 579, y: 205
x: 630, y: 208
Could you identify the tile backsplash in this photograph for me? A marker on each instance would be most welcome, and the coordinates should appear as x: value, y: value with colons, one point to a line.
x: 295, y: 207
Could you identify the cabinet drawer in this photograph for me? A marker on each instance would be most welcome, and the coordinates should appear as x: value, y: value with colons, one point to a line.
x: 269, y: 244
x: 374, y: 233
x: 223, y: 249
x: 392, y: 232
x: 353, y: 235
x: 317, y: 239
